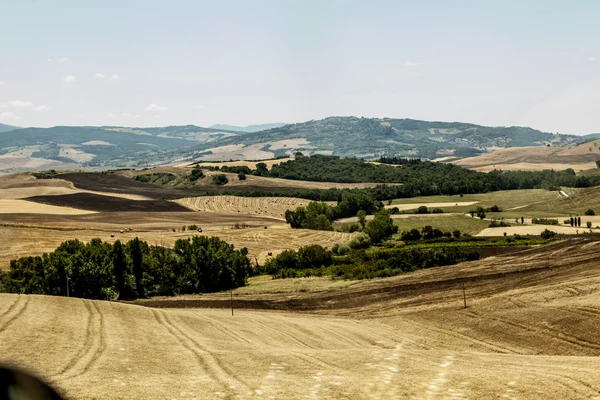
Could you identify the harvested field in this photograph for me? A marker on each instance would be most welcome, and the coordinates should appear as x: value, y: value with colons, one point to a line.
x: 530, y: 331
x: 269, y: 206
x: 31, y: 207
x: 100, y: 203
x: 414, y: 206
x: 532, y: 230
x: 535, y: 158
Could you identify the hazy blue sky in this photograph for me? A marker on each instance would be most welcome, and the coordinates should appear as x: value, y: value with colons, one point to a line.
x: 149, y: 63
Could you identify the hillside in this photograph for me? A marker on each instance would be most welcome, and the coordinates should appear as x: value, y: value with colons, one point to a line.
x: 536, y: 158
x: 63, y: 147
x: 372, y: 137
x: 7, y: 128
x: 73, y: 147
x: 248, y: 128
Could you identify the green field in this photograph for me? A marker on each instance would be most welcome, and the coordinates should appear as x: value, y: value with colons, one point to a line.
x: 446, y: 223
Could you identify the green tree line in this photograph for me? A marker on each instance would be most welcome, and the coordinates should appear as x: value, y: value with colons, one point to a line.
x: 100, y: 270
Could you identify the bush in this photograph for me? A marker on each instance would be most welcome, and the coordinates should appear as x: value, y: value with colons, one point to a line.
x: 196, y: 174
x: 590, y: 212
x: 437, y: 211
x: 422, y: 210
x: 220, y: 179
x: 413, y: 234
x: 589, y: 224
x: 498, y: 224
x: 547, y: 234
x: 544, y: 221
x: 242, y: 176
x: 495, y: 208
x: 456, y: 234
x: 193, y: 227
x: 360, y: 240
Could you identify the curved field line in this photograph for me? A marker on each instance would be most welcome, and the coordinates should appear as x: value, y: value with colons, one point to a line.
x: 10, y: 308
x: 93, y: 348
x: 575, y: 385
x: 18, y: 312
x: 552, y: 333
x: 467, y: 338
x: 283, y: 333
x: 208, y: 361
x: 220, y: 326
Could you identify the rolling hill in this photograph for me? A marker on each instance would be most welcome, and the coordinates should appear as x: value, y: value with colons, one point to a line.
x: 579, y: 157
x: 248, y: 128
x: 7, y: 128
x: 64, y: 147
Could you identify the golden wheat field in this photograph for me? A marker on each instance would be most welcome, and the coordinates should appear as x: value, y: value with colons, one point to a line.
x: 265, y: 206
x: 529, y: 331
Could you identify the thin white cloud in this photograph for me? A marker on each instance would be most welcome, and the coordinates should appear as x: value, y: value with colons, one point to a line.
x: 408, y: 63
x: 199, y: 106
x: 64, y: 59
x: 110, y: 116
x: 21, y: 104
x: 2, y: 83
x: 41, y: 108
x: 49, y: 59
x: 7, y: 116
x: 125, y: 115
x: 155, y: 108
x: 115, y: 77
x: 592, y: 58
x: 99, y: 75
x: 69, y: 79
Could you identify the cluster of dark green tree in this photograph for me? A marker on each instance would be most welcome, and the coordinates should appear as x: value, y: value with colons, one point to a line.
x: 319, y: 215
x: 399, y: 160
x: 100, y: 270
x: 427, y: 233
x: 362, y: 264
x: 544, y: 221
x: 422, y: 178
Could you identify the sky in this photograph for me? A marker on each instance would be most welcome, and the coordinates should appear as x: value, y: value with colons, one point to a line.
x: 157, y: 63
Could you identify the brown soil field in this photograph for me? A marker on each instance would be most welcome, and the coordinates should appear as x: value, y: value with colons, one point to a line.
x: 529, y: 331
x: 270, y: 206
x: 535, y: 158
x: 120, y: 183
x: 96, y: 202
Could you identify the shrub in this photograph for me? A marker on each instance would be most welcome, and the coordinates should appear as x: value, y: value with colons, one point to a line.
x: 193, y: 227
x: 495, y: 208
x: 589, y: 224
x: 456, y: 234
x: 360, y: 240
x: 220, y: 179
x: 422, y: 210
x: 498, y: 224
x: 567, y: 221
x: 413, y: 234
x: 590, y: 212
x: 547, y: 234
x: 437, y: 211
x: 544, y: 221
x: 242, y: 176
x: 196, y: 174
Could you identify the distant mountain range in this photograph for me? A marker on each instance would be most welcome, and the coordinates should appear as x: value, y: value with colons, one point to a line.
x: 248, y: 128
x: 124, y: 147
x: 7, y: 128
